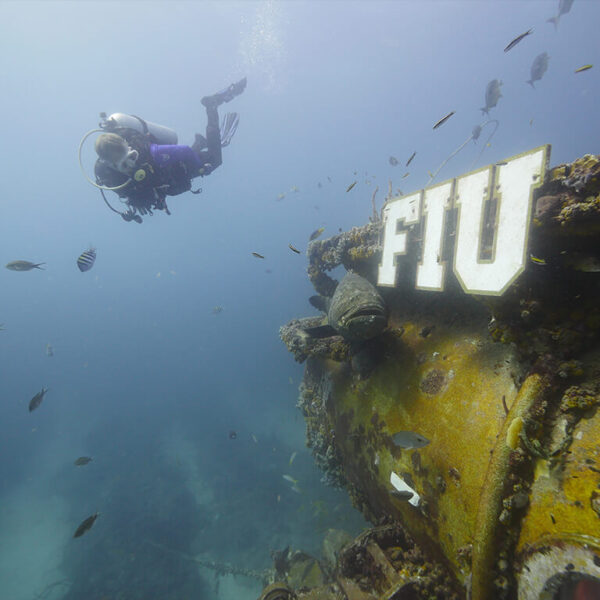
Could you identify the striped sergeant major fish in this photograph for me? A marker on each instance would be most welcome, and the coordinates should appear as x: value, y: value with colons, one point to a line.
x: 86, y: 260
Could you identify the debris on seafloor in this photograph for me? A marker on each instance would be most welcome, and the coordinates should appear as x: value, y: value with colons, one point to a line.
x: 506, y: 387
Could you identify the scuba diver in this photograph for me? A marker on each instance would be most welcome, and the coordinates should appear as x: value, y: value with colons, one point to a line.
x: 143, y: 164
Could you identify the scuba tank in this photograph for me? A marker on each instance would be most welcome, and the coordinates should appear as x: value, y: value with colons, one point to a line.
x: 159, y: 133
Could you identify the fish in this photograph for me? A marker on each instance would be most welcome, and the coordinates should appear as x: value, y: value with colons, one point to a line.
x: 405, y: 175
x: 536, y: 260
x: 355, y: 311
x: 319, y: 185
x: 49, y: 350
x: 476, y: 132
x: 410, y: 159
x: 316, y: 233
x: 83, y: 460
x: 85, y: 525
x: 37, y: 399
x: 584, y: 68
x: 492, y: 95
x: 501, y: 163
x: 443, y: 119
x: 409, y: 440
x: 514, y: 42
x: 232, y: 435
x: 393, y: 161
x: 254, y: 438
x: 86, y: 260
x: 294, y: 189
x: 217, y: 309
x: 564, y: 6
x: 293, y: 249
x: 351, y: 186
x: 292, y: 457
x: 280, y: 196
x: 24, y: 265
x: 257, y: 255
x: 538, y: 68
x: 294, y: 483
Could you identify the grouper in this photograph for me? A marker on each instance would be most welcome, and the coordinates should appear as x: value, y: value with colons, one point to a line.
x: 356, y: 311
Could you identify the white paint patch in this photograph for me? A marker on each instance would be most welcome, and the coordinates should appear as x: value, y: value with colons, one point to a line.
x: 402, y: 486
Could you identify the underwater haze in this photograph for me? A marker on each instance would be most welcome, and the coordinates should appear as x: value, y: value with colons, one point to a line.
x: 163, y: 362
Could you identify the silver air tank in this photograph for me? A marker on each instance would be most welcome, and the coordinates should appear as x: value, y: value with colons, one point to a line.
x: 162, y: 134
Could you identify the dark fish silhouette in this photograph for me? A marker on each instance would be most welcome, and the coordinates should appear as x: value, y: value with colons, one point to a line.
x: 85, y: 525
x: 257, y: 255
x: 82, y: 460
x: 492, y: 95
x: 564, y: 6
x: 476, y: 132
x: 514, y: 42
x: 86, y: 260
x: 356, y: 310
x: 37, y: 399
x: 410, y: 159
x: 393, y: 161
x: 23, y: 265
x: 351, y: 186
x: 443, y: 119
x: 293, y: 249
x: 538, y: 68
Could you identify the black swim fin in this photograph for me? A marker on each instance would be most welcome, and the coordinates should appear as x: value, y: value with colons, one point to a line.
x: 226, y: 95
x: 229, y: 126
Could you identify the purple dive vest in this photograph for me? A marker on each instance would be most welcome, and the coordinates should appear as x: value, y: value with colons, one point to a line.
x: 164, y: 156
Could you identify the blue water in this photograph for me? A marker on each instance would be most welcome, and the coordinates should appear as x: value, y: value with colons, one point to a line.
x: 145, y: 378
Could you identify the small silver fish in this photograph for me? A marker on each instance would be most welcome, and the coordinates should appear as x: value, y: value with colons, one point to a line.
x: 409, y: 440
x: 514, y: 42
x: 23, y: 265
x: 351, y: 186
x: 443, y: 120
